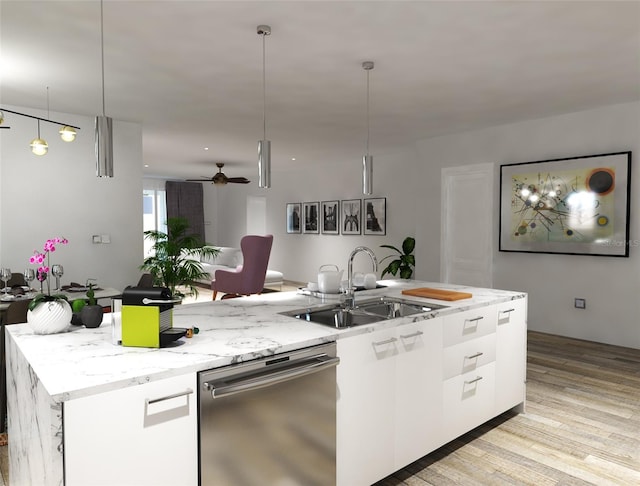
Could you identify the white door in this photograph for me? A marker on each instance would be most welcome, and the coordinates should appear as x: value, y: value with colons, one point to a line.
x: 256, y: 215
x: 467, y: 225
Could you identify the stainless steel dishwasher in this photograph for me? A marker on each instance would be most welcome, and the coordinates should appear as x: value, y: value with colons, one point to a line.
x: 270, y: 421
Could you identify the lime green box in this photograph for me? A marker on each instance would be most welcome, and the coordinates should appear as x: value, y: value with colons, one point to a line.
x: 142, y: 325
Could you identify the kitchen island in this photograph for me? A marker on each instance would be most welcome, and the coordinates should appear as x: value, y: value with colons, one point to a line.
x: 58, y: 375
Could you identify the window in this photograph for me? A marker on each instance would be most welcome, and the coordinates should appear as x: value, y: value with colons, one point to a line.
x: 154, y: 212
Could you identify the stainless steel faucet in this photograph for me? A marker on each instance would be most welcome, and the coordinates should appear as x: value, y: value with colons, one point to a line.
x: 350, y: 298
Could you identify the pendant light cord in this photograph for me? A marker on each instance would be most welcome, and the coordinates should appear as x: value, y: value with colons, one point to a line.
x: 102, y: 53
x: 47, y: 104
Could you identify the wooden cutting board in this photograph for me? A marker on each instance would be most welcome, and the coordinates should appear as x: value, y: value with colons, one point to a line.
x: 439, y: 294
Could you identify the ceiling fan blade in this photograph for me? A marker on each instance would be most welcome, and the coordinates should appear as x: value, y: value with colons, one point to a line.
x: 208, y: 179
x: 238, y: 180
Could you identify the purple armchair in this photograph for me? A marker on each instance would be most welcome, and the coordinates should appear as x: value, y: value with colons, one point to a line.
x: 250, y: 279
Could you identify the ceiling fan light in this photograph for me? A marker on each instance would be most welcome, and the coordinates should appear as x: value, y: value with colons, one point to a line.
x: 219, y: 179
x: 67, y: 133
x: 39, y: 146
x: 264, y: 163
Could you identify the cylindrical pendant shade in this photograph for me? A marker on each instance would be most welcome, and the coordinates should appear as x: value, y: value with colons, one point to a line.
x: 367, y: 174
x: 264, y: 163
x: 104, y: 146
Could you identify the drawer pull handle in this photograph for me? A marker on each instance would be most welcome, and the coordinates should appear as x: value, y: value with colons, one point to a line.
x: 507, y: 311
x: 475, y: 319
x: 386, y: 341
x: 188, y: 391
x: 415, y: 334
x: 475, y: 380
x: 474, y: 356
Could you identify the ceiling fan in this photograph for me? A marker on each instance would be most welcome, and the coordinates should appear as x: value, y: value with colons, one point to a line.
x: 220, y: 179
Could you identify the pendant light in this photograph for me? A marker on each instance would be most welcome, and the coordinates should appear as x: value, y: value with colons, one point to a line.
x: 367, y: 160
x: 38, y: 145
x: 67, y: 133
x: 104, y: 124
x: 264, y: 145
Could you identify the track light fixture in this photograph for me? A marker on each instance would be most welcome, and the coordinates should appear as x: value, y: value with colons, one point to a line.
x: 367, y: 160
x: 41, y: 145
x: 264, y: 145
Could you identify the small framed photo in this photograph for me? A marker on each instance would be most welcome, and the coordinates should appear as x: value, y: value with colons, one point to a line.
x: 330, y: 214
x: 351, y: 220
x: 293, y: 218
x: 375, y: 216
x: 311, y: 212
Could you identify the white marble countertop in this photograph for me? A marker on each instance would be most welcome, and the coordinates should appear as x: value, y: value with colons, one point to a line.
x: 84, y: 362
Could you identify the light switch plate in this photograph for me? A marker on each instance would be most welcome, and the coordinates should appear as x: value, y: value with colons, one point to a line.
x: 580, y: 303
x: 97, y: 239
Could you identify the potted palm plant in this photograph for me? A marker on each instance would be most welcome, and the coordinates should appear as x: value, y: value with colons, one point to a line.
x: 176, y: 257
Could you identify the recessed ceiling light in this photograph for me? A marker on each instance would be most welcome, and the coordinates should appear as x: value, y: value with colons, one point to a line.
x: 206, y: 148
x: 293, y: 158
x: 146, y: 165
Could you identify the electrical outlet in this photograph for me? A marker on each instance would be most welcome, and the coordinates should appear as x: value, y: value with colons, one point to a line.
x: 580, y: 303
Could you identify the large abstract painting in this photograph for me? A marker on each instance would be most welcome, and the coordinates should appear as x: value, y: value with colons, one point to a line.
x: 577, y: 205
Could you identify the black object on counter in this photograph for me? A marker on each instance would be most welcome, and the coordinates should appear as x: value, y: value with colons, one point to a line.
x: 136, y: 295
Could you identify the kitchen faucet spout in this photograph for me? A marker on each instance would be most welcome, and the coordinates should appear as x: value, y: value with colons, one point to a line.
x: 350, y: 299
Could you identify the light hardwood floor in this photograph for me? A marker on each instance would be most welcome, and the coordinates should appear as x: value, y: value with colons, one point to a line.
x: 581, y: 426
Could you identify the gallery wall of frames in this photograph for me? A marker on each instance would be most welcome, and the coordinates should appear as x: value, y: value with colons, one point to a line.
x: 346, y: 217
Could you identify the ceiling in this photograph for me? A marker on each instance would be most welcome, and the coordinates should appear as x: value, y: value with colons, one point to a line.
x: 191, y: 71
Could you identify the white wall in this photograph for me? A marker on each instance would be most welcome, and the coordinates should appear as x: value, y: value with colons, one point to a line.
x: 299, y: 256
x: 58, y: 194
x: 610, y: 285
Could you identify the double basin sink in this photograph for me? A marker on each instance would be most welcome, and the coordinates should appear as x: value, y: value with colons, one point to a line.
x: 366, y: 311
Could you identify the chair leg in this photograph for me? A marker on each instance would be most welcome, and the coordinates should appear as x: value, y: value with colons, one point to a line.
x: 215, y: 292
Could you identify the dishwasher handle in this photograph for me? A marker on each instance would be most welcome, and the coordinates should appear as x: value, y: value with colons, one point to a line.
x: 267, y: 378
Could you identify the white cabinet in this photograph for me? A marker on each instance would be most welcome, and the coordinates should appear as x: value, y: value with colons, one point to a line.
x: 142, y: 435
x: 365, y: 407
x: 406, y: 391
x: 417, y: 390
x: 511, y: 354
x: 387, y: 413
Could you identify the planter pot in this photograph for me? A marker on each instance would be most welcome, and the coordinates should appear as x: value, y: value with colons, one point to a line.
x: 50, y: 317
x: 76, y: 320
x: 91, y: 315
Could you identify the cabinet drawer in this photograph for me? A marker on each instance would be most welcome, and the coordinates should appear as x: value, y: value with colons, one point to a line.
x: 133, y: 430
x: 513, y: 312
x: 468, y: 356
x: 467, y: 325
x: 469, y: 400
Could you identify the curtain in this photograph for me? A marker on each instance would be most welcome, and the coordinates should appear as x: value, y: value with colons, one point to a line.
x: 184, y: 199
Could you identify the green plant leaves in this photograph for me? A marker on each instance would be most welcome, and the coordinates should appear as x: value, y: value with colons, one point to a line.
x: 404, y: 263
x: 175, y: 261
